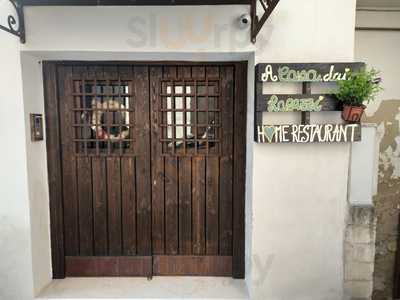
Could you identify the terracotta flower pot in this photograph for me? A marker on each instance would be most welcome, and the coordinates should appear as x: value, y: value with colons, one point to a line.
x: 352, y: 114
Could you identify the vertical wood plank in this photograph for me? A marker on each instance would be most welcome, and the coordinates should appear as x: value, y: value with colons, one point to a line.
x: 80, y: 71
x: 226, y: 161
x: 70, y: 197
x: 199, y: 72
x: 239, y: 177
x: 212, y: 72
x: 171, y: 205
x: 199, y: 204
x: 111, y: 72
x: 128, y: 205
x: 171, y: 190
x: 185, y: 183
x: 143, y: 162
x: 306, y: 115
x: 258, y: 116
x: 54, y: 169
x: 185, y: 206
x: 158, y: 210
x: 114, y: 205
x: 99, y: 72
x: 100, y: 206
x: 212, y: 218
x: 84, y: 172
x: 184, y: 72
x: 226, y: 207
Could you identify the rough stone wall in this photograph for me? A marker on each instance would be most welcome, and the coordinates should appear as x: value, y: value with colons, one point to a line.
x: 359, y: 252
x: 387, y: 201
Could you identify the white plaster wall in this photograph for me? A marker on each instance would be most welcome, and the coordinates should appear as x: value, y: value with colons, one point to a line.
x: 249, y: 212
x: 15, y: 239
x: 139, y: 29
x: 309, y: 31
x: 296, y: 194
x: 380, y: 49
x: 363, y: 171
x: 299, y: 192
x: 37, y: 174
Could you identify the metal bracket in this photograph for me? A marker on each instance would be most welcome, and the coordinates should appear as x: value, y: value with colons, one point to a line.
x: 16, y: 24
x: 256, y: 23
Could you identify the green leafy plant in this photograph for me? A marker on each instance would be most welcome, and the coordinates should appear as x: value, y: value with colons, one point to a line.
x: 359, y: 88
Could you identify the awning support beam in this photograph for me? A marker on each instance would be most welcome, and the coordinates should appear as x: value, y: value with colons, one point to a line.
x: 258, y: 23
x: 16, y: 23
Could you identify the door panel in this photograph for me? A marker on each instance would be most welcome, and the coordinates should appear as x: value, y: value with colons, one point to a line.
x: 152, y: 173
x: 192, y: 168
x: 190, y: 265
x: 70, y: 189
x: 99, y: 178
x: 128, y: 181
x: 143, y: 160
x: 106, y: 169
x: 199, y: 205
x: 90, y: 266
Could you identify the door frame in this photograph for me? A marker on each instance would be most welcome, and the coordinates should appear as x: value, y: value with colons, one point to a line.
x: 53, y: 140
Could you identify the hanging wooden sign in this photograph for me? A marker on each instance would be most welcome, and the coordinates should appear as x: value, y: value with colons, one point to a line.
x: 309, y: 72
x: 309, y: 133
x: 293, y: 103
x: 304, y: 103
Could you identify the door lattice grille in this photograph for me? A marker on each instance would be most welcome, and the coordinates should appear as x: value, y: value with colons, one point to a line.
x: 190, y: 121
x: 103, y: 117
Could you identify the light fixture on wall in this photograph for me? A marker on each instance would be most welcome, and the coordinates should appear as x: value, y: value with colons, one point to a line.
x: 244, y: 21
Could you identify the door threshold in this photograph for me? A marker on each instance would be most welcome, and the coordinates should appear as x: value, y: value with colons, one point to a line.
x: 159, y: 288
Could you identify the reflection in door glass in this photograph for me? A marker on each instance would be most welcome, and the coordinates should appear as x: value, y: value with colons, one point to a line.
x: 103, y: 117
x: 190, y: 117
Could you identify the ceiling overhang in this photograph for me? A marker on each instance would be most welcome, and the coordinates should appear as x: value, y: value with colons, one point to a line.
x: 378, y: 5
x: 16, y: 25
x: 131, y: 2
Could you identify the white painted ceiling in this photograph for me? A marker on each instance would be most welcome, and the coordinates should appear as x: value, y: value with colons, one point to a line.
x: 391, y: 4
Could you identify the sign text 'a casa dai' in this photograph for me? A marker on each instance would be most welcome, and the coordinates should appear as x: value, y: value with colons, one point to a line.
x: 306, y: 72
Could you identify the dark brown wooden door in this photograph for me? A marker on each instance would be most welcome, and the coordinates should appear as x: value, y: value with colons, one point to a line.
x: 152, y: 169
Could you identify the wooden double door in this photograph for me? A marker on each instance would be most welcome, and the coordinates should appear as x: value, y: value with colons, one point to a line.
x: 146, y: 168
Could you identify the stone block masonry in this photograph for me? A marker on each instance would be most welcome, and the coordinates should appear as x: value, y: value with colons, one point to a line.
x: 387, y: 200
x: 359, y: 252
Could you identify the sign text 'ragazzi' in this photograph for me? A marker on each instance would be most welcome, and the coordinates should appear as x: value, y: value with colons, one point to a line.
x: 293, y: 103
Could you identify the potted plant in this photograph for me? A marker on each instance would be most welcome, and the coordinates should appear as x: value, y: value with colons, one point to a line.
x: 356, y: 91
